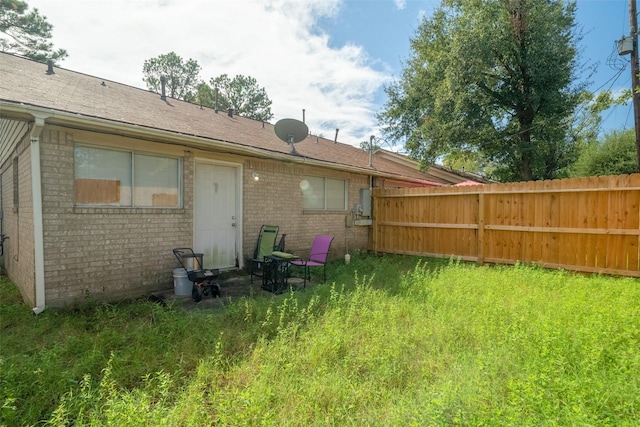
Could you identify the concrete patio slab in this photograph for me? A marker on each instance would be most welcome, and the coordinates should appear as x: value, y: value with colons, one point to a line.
x: 232, y: 288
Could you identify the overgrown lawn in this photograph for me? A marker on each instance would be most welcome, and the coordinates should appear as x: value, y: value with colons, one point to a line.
x: 392, y: 341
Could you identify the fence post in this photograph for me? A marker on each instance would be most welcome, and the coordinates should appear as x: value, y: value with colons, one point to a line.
x: 480, y: 241
x: 374, y: 227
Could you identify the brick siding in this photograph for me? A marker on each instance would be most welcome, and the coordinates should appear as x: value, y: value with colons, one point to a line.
x: 277, y: 199
x: 106, y: 254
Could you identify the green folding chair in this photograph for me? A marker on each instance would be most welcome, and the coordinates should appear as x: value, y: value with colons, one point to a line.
x: 265, y: 246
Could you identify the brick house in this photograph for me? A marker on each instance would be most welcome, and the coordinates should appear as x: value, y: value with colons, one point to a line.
x: 100, y: 180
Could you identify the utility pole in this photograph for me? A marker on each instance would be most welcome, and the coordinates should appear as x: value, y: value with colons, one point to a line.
x: 635, y: 69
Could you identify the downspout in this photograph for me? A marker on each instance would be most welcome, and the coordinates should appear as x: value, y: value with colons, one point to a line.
x: 36, y: 190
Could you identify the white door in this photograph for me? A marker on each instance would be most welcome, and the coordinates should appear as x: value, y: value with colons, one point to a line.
x: 216, y: 215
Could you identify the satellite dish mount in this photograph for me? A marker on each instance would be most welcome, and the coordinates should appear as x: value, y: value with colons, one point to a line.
x: 291, y: 131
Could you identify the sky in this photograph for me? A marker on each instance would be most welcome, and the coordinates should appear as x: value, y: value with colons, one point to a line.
x: 331, y: 58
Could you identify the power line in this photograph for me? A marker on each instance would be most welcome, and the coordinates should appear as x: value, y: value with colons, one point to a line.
x: 614, y: 60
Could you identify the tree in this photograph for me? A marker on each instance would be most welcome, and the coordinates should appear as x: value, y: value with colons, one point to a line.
x: 26, y: 33
x: 614, y: 156
x: 182, y: 77
x: 241, y: 93
x: 469, y: 161
x: 370, y: 145
x: 495, y: 78
x: 205, y: 95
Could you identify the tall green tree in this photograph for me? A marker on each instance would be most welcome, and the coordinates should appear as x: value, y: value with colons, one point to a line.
x: 182, y: 77
x: 469, y: 161
x: 615, y: 155
x: 494, y: 78
x: 25, y: 32
x: 241, y: 93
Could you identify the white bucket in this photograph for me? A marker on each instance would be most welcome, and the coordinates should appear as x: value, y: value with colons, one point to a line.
x: 181, y: 283
x: 192, y: 262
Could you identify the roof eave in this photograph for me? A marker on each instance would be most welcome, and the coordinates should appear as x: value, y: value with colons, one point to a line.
x: 90, y: 123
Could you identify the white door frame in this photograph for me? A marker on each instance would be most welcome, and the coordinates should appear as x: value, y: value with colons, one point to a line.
x: 238, y: 198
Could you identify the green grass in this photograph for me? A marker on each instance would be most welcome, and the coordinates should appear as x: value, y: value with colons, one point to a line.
x: 392, y: 341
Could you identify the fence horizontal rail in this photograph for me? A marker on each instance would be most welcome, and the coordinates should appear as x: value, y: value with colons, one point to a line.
x: 540, y: 191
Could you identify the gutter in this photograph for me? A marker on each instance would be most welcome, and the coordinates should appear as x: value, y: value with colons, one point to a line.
x: 36, y: 189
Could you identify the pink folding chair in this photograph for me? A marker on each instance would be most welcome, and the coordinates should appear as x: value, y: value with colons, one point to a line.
x: 317, y: 257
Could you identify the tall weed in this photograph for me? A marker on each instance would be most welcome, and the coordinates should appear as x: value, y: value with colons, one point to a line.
x: 392, y: 341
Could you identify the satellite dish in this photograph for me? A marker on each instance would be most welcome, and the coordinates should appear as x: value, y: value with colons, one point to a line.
x: 291, y: 131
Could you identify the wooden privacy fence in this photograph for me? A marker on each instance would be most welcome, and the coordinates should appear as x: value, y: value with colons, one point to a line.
x: 583, y: 224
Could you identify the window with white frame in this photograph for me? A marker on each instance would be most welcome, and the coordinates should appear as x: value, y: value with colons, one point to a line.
x: 324, y: 193
x: 106, y: 177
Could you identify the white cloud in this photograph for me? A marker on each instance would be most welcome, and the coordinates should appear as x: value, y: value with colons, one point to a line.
x: 278, y: 42
x: 400, y: 4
